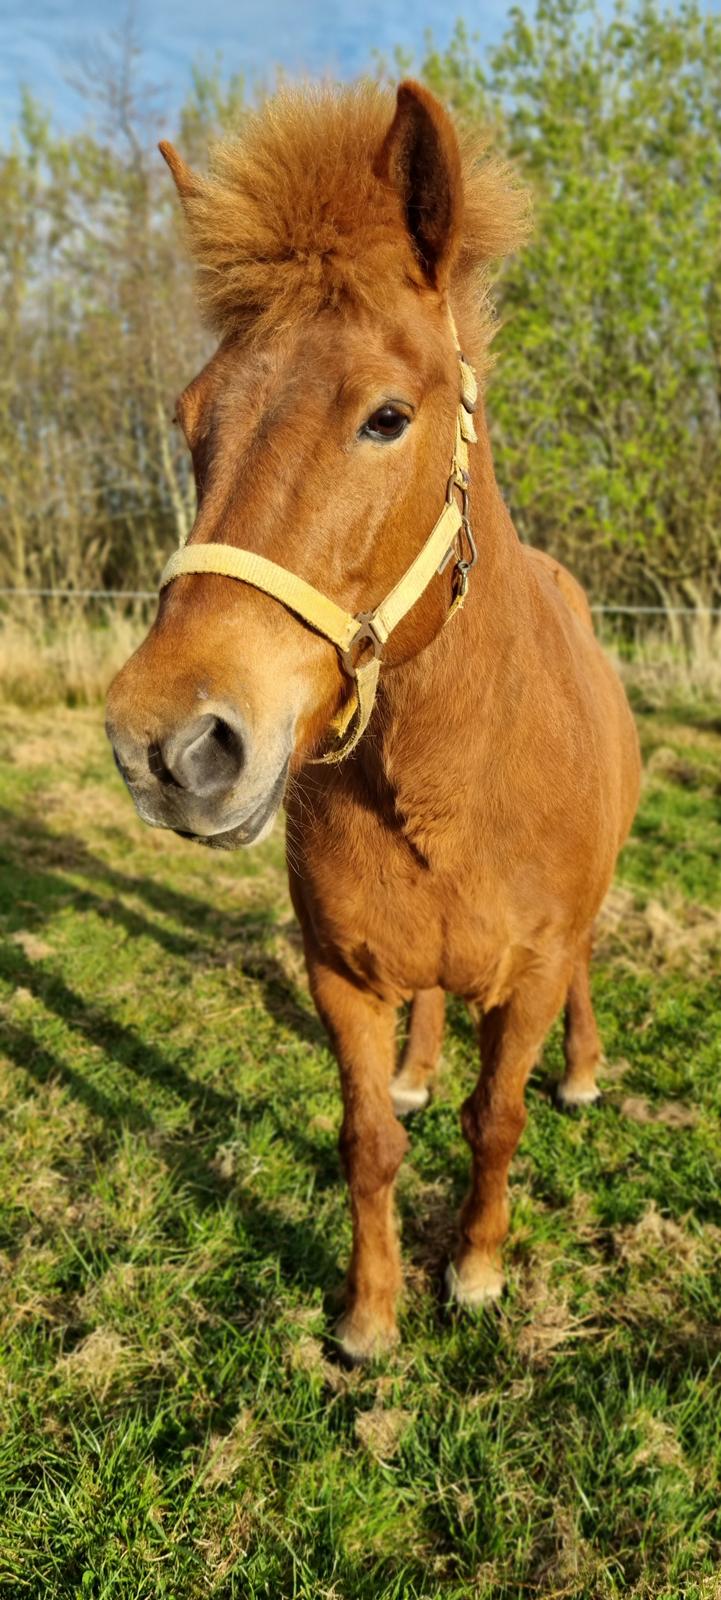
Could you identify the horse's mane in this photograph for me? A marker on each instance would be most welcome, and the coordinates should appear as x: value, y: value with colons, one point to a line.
x: 293, y: 215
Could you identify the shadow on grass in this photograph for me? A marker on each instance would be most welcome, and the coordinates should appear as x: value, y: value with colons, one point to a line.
x: 35, y: 875
x: 34, y: 884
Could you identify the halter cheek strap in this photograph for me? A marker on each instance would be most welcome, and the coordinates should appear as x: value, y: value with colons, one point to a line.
x: 360, y: 639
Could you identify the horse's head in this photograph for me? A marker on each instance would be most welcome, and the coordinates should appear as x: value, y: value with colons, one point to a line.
x: 328, y: 241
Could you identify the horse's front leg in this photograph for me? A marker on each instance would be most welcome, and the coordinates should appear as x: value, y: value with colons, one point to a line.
x: 493, y: 1118
x: 372, y: 1146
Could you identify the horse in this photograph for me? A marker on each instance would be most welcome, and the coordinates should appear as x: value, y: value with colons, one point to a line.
x: 355, y: 629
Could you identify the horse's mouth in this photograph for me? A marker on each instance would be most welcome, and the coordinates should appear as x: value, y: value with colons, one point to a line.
x: 252, y: 830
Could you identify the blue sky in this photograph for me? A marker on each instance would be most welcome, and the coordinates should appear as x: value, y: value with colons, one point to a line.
x: 40, y: 43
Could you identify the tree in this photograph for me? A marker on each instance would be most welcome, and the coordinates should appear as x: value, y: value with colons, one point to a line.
x: 606, y: 403
x: 99, y: 332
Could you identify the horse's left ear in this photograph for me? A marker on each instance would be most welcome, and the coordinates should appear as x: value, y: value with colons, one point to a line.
x: 421, y: 158
x: 185, y: 180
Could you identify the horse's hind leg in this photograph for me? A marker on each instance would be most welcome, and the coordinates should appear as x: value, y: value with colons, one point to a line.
x: 581, y: 1042
x: 493, y: 1118
x: 409, y: 1088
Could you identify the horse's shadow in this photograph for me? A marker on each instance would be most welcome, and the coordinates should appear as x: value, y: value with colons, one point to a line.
x: 38, y: 869
x: 39, y: 873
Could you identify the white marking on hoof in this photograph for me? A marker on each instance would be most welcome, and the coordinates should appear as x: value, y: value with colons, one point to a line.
x: 360, y: 1344
x: 487, y: 1285
x: 408, y: 1099
x: 568, y: 1096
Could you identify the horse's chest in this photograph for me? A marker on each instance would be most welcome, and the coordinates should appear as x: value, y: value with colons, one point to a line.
x: 388, y: 930
x: 399, y: 926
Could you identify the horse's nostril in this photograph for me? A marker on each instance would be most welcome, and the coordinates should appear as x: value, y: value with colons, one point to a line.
x: 204, y: 756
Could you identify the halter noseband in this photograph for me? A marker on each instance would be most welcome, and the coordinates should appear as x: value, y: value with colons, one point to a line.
x: 352, y: 635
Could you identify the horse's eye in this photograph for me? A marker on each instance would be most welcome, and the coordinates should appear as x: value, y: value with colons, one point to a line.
x: 386, y: 423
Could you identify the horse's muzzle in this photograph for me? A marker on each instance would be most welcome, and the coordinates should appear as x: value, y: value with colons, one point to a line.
x: 202, y: 778
x: 252, y: 830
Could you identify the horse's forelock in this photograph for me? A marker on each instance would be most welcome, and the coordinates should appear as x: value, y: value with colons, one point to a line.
x: 293, y: 215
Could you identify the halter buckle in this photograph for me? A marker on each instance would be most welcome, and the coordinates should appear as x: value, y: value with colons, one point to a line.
x: 463, y: 567
x: 459, y: 479
x: 461, y: 571
x: 471, y: 546
x: 366, y: 635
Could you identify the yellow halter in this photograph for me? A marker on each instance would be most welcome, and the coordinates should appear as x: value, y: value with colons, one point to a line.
x: 349, y: 633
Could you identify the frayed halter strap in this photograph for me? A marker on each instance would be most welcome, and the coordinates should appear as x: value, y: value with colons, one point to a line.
x: 360, y: 639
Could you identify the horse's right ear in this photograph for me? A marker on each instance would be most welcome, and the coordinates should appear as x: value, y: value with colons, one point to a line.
x: 185, y: 180
x: 421, y: 158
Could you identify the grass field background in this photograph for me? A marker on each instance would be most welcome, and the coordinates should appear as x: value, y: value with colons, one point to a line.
x: 173, y: 1421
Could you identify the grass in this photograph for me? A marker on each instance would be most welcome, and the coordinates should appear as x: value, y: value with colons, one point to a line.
x: 62, y: 653
x: 173, y: 1420
x: 65, y: 652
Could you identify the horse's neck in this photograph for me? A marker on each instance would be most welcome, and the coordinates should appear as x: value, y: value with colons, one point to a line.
x: 440, y: 711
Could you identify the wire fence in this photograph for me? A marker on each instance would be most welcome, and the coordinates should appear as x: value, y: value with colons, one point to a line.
x: 81, y: 594
x: 610, y: 609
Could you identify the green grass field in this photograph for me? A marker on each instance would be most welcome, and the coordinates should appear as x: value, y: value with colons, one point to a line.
x: 174, y: 1229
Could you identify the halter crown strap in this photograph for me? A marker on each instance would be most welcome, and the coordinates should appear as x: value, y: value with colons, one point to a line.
x: 372, y: 629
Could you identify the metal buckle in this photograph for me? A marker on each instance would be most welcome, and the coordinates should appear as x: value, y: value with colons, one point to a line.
x: 462, y: 567
x: 366, y: 633
x: 460, y: 587
x: 458, y: 480
x: 471, y: 545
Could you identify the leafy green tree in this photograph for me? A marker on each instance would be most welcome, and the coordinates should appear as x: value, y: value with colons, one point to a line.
x: 606, y: 402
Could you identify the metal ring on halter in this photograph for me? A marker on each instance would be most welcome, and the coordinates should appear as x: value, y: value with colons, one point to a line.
x: 461, y: 483
x: 471, y: 543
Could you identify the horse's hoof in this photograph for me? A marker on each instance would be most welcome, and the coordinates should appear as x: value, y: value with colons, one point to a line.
x: 568, y: 1100
x: 360, y: 1342
x: 477, y: 1287
x: 406, y: 1100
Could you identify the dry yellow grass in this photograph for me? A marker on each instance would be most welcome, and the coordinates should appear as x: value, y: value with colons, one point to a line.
x: 59, y: 655
x: 663, y: 670
x: 64, y: 660
x: 673, y: 935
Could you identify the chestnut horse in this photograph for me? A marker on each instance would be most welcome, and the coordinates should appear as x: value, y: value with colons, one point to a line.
x: 465, y: 841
